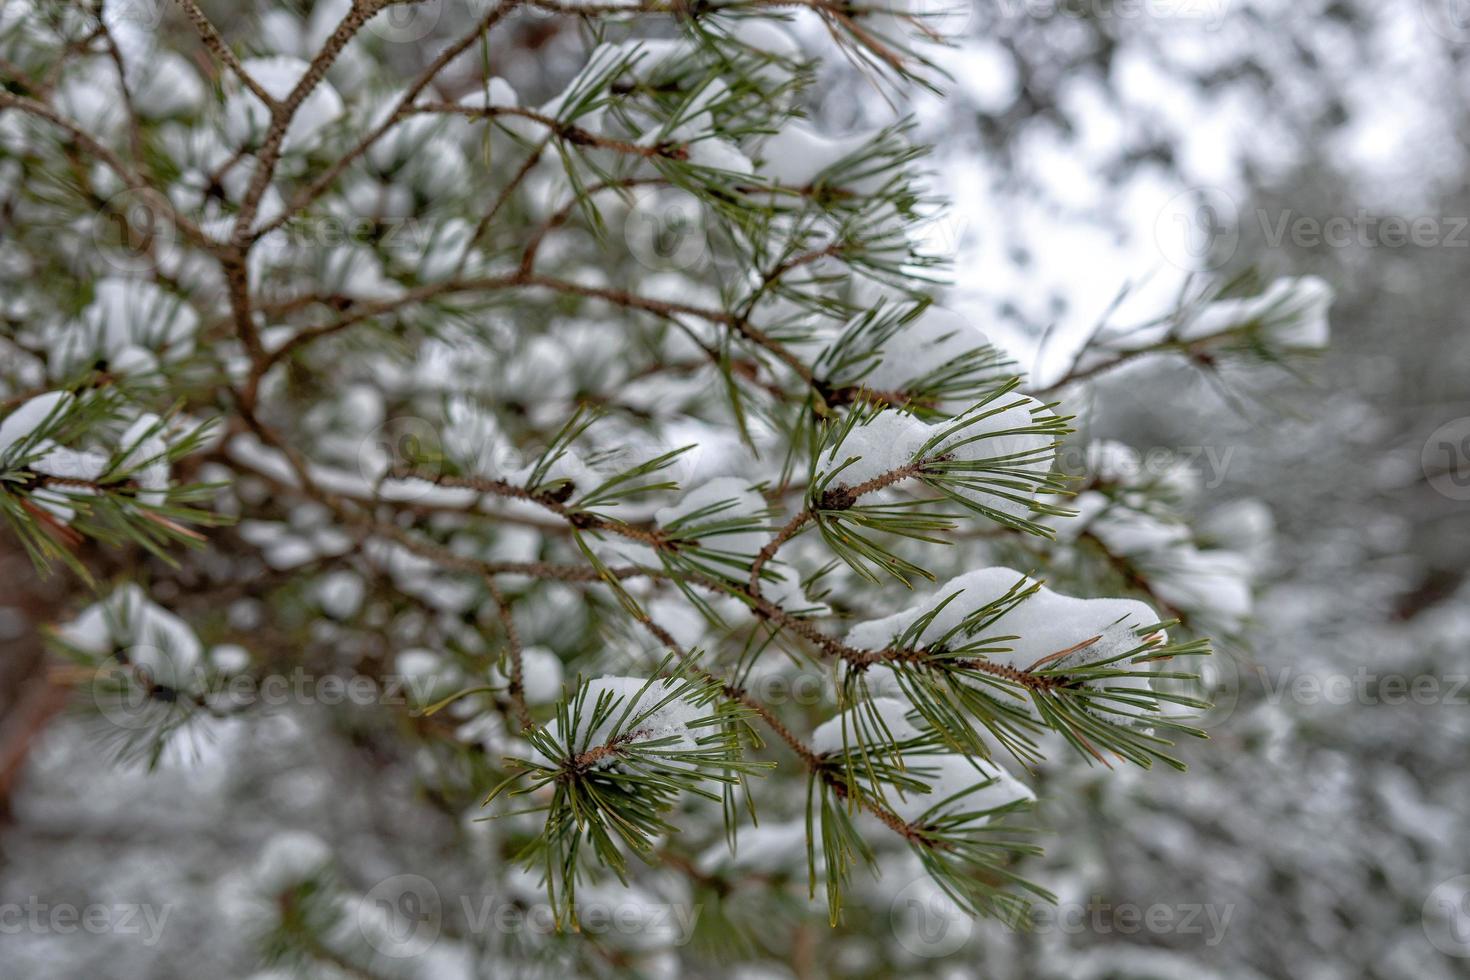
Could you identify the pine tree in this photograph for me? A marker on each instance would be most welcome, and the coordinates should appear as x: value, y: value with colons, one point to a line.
x: 590, y: 427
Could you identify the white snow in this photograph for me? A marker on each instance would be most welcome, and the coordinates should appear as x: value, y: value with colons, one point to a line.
x: 20, y: 425
x: 1043, y: 624
x: 290, y: 858
x: 72, y: 464
x: 145, y: 457
x: 1292, y: 312
x: 856, y: 726
x: 772, y: 848
x: 931, y: 341
x: 741, y: 502
x: 152, y: 637
x: 796, y: 155
x: 886, y: 442
x: 541, y: 675
x: 669, y: 721
x: 169, y: 87
x: 247, y: 118
x: 340, y: 593
x: 947, y: 775
x: 131, y: 323
x: 892, y: 439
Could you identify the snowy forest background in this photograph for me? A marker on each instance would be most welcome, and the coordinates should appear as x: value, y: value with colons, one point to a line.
x: 1101, y: 159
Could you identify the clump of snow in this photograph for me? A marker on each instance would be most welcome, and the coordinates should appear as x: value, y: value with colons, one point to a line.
x: 993, y: 435
x: 770, y: 39
x: 719, y: 154
x: 497, y: 93
x: 145, y: 458
x: 541, y: 675
x: 1115, y: 462
x: 340, y: 593
x: 627, y: 719
x: 152, y: 638
x: 229, y: 658
x: 1043, y: 624
x: 72, y: 464
x: 1292, y: 312
x: 736, y: 501
x: 930, y: 342
x: 857, y: 726
x: 288, y: 859
x: 169, y: 87
x: 640, y: 60
x: 134, y: 324
x: 770, y: 848
x: 1214, y: 584
x: 997, y: 435
x: 18, y: 429
x: 426, y: 675
x: 886, y: 442
x: 1246, y: 526
x: 247, y: 118
x: 980, y: 786
x: 797, y: 155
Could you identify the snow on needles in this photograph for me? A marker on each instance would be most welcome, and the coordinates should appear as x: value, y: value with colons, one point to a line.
x: 638, y: 711
x: 1043, y: 624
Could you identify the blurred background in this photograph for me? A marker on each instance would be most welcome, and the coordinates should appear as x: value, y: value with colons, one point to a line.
x: 1101, y: 158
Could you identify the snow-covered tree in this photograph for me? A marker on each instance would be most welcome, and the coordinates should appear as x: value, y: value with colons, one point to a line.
x: 528, y: 396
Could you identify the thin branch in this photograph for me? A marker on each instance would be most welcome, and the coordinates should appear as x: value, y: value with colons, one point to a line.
x: 513, y: 643
x: 221, y: 50
x: 400, y: 111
